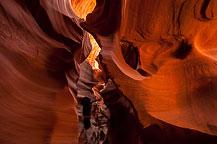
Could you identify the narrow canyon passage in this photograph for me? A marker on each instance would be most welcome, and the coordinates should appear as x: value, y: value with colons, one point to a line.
x: 108, y: 72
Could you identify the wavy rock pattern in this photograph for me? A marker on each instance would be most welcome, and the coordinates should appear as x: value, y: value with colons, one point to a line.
x: 175, y: 40
x: 38, y: 44
x: 158, y: 62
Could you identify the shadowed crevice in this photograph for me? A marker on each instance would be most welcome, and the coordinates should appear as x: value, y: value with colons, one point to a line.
x: 132, y: 57
x: 204, y: 8
x: 85, y: 102
x: 183, y: 50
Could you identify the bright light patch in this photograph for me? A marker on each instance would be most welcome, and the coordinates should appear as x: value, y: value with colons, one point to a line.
x: 82, y: 8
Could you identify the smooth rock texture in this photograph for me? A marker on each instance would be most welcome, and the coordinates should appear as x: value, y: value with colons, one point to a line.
x: 175, y: 40
x: 156, y: 81
x: 37, y: 46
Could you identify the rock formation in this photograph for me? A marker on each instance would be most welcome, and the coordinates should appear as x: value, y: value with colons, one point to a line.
x: 176, y: 81
x: 154, y: 81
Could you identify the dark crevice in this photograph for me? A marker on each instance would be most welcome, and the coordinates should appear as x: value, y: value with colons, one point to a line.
x: 200, y: 10
x: 85, y: 102
x: 132, y: 57
x: 124, y: 123
x: 179, y: 17
x: 143, y: 73
x: 204, y: 8
x: 141, y: 33
x: 183, y: 50
x: 130, y: 53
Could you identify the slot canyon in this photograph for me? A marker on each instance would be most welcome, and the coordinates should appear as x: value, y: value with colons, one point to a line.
x: 108, y: 71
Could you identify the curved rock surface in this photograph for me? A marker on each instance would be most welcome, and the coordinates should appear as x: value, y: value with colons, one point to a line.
x: 38, y: 44
x: 158, y: 71
x: 176, y: 43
